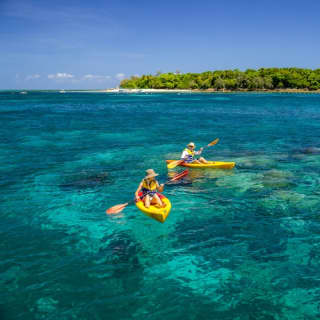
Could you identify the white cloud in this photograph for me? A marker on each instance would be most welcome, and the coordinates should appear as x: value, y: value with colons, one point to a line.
x: 95, y: 77
x: 33, y: 77
x: 60, y: 75
x: 120, y: 76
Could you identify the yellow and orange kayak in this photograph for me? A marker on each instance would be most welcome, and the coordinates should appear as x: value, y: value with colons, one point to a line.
x: 154, y: 212
x: 210, y: 164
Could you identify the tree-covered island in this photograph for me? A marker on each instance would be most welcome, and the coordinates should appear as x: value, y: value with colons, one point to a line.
x: 233, y: 80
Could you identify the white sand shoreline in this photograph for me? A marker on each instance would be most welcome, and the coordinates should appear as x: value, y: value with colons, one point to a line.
x: 147, y: 90
x: 131, y: 90
x: 117, y: 90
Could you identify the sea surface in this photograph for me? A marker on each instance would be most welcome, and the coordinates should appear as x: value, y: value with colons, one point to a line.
x: 239, y: 244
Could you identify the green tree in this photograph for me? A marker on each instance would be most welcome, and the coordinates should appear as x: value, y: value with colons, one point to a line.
x: 250, y: 79
x: 219, y: 84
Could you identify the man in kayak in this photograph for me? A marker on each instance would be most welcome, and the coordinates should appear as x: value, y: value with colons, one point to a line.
x: 149, y: 187
x: 189, y: 153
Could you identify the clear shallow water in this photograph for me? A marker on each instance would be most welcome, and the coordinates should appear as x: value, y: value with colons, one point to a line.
x: 240, y: 244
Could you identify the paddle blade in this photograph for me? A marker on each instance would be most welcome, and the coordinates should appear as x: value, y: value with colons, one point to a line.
x: 116, y: 209
x: 173, y: 164
x: 213, y: 142
x: 180, y: 175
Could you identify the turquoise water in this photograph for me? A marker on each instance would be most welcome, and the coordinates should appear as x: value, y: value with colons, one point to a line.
x: 239, y: 244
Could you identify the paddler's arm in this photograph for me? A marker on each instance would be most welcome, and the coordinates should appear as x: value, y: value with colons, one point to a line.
x: 160, y: 187
x: 198, y: 152
x: 138, y: 190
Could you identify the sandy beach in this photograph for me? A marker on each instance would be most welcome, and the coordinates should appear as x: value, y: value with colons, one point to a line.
x: 117, y: 90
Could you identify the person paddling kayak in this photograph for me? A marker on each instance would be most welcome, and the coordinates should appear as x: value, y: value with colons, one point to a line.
x: 188, y: 154
x: 149, y: 187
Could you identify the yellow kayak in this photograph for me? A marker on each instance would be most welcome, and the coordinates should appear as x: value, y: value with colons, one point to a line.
x: 154, y: 212
x: 210, y: 164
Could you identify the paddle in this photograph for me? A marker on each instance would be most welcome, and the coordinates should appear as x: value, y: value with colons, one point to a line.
x: 175, y: 163
x: 119, y: 207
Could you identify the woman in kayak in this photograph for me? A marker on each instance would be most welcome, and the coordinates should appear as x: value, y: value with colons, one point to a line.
x: 149, y: 187
x: 189, y: 153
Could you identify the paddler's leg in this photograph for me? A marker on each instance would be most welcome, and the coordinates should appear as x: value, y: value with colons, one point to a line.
x: 203, y: 160
x: 147, y: 201
x: 157, y: 200
x: 196, y: 161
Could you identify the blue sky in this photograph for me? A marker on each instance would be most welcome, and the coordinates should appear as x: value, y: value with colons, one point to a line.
x: 94, y: 44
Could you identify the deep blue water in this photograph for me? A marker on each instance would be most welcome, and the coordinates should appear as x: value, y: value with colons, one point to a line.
x: 239, y: 244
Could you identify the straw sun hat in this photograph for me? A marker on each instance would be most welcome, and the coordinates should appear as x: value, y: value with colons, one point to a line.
x: 190, y: 144
x: 150, y: 174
